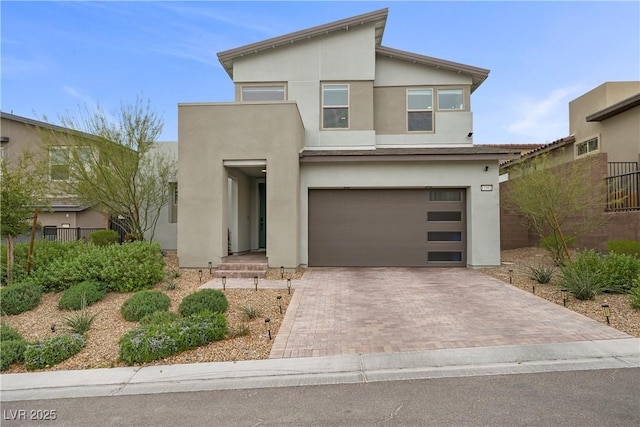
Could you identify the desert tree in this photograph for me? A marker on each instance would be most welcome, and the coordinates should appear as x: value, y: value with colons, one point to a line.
x: 560, y: 201
x: 111, y: 163
x: 23, y: 190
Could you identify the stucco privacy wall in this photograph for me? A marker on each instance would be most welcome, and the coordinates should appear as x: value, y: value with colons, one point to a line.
x: 483, y: 231
x: 343, y: 56
x: 209, y: 134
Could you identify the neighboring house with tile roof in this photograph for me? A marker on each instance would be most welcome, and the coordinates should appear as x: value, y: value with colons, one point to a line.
x: 338, y: 151
x: 65, y: 218
x: 604, y: 126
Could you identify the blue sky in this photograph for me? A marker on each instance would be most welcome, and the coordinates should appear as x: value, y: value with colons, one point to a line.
x: 58, y: 55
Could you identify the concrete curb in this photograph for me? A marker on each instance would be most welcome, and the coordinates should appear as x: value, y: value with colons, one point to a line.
x: 584, y: 355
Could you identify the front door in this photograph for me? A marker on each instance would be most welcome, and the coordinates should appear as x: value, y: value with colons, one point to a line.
x: 262, y: 227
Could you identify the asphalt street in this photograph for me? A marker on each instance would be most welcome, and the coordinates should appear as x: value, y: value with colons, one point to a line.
x: 607, y: 397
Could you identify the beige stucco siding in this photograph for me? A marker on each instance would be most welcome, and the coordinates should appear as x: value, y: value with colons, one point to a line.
x: 392, y: 72
x: 211, y: 134
x: 621, y: 136
x: 390, y: 116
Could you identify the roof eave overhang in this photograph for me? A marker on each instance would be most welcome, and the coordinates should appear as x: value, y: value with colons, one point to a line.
x: 340, y: 158
x: 615, y: 109
x: 478, y: 75
x: 227, y: 57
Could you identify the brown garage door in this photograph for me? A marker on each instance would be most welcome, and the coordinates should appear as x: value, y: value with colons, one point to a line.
x: 387, y: 227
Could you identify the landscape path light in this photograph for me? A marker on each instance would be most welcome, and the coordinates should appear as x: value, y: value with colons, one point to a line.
x: 564, y: 296
x: 200, y: 275
x: 289, y: 286
x: 279, y: 298
x: 224, y: 283
x: 510, y: 276
x: 282, y: 272
x: 255, y: 282
x: 606, y: 310
x: 268, y: 325
x: 210, y: 267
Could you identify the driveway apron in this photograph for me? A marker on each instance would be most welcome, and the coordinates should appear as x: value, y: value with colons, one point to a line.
x: 337, y: 311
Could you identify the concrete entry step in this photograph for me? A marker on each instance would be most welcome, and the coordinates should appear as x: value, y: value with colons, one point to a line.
x: 253, y: 266
x: 240, y: 274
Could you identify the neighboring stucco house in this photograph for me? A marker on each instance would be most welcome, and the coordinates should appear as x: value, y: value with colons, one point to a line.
x: 604, y: 126
x: 338, y: 151
x: 65, y: 217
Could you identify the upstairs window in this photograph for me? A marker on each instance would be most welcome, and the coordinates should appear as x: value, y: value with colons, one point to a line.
x: 420, y: 110
x: 587, y: 146
x: 59, y: 164
x: 335, y: 106
x: 450, y: 99
x: 263, y: 93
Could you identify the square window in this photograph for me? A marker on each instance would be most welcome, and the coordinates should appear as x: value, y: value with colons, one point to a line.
x: 450, y: 99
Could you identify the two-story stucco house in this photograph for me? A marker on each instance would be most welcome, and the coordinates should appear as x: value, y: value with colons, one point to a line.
x: 338, y: 151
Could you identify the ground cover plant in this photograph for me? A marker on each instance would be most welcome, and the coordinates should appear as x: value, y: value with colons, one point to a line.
x: 52, y: 350
x: 159, y: 340
x: 629, y: 247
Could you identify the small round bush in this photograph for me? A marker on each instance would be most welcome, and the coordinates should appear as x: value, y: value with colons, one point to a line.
x: 159, y: 318
x: 211, y: 300
x: 104, y: 237
x: 19, y: 297
x: 7, y: 333
x: 143, y: 303
x: 86, y: 293
x: 12, y: 352
x: 53, y: 350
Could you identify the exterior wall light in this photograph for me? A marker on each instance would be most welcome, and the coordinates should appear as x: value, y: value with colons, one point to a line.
x: 564, y: 296
x: 606, y: 310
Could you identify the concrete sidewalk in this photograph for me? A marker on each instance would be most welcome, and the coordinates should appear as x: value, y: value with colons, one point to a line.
x: 342, y: 369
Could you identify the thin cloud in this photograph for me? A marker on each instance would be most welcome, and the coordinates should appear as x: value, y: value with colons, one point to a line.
x: 543, y: 119
x: 17, y: 67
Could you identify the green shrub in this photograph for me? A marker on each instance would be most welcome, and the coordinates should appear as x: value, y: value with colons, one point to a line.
x: 157, y: 341
x: 583, y: 276
x: 554, y: 246
x: 635, y: 296
x: 211, y: 300
x: 143, y: 303
x: 619, y: 271
x: 53, y: 350
x: 123, y: 268
x: 541, y: 274
x: 629, y: 247
x: 104, y: 237
x: 159, y: 318
x: 12, y: 352
x: 7, y: 333
x: 86, y: 293
x: 19, y: 297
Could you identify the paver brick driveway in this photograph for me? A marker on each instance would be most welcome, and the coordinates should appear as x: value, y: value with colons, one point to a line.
x: 372, y: 310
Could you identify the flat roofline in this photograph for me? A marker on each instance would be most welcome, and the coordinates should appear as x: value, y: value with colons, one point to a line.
x: 615, y: 109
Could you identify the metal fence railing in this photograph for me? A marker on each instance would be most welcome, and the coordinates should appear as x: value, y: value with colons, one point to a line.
x: 623, y: 192
x: 621, y: 168
x: 67, y: 234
